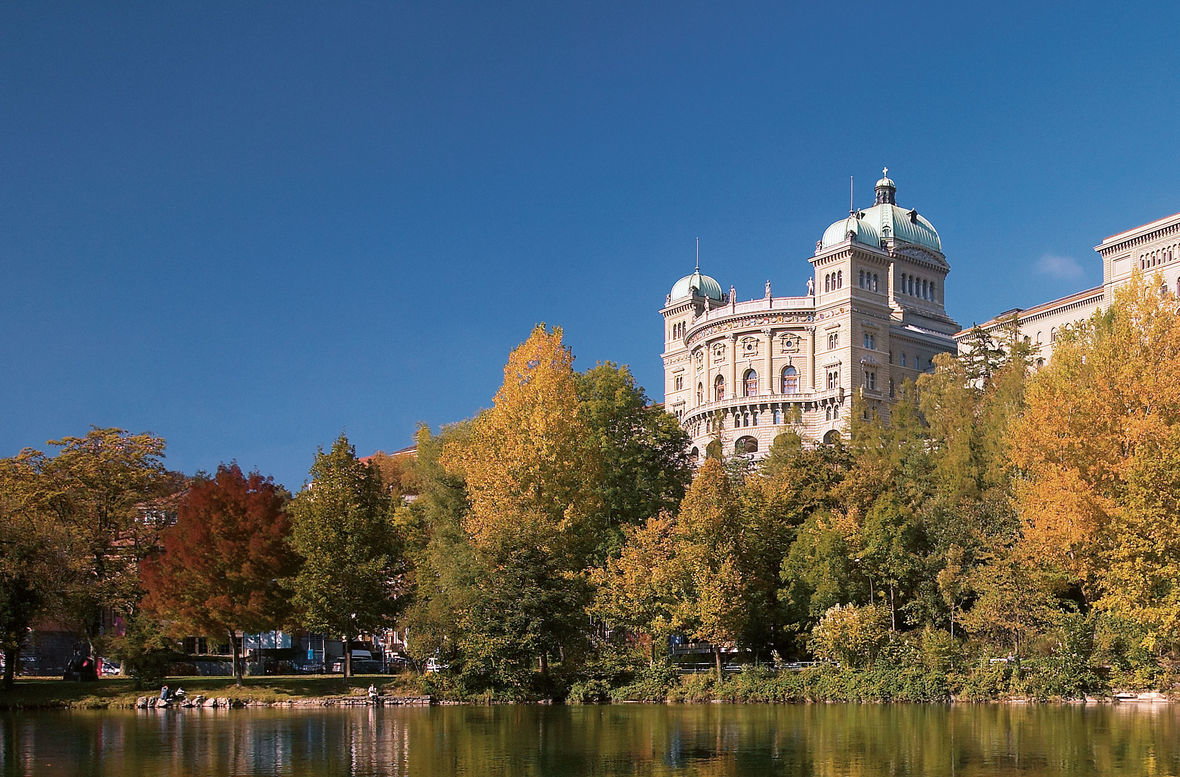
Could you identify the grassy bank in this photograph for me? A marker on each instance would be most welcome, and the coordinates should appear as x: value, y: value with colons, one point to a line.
x: 120, y: 692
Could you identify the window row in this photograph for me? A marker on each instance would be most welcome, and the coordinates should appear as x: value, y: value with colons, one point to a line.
x: 788, y: 384
x: 679, y: 330
x: 834, y: 280
x: 915, y: 287
x: 869, y: 280
x: 1156, y: 258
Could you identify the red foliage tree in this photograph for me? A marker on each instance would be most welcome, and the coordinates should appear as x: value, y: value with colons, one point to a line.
x: 224, y: 560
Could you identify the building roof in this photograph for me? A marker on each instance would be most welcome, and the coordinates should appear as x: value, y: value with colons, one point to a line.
x: 1025, y: 314
x: 697, y: 285
x: 871, y: 226
x: 1120, y: 236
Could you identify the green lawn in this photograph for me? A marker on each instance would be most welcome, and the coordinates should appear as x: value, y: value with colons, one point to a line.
x: 121, y: 692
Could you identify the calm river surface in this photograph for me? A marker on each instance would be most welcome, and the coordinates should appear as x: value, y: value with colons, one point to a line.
x: 617, y: 740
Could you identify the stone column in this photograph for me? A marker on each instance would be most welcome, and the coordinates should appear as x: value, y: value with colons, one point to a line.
x: 811, y: 348
x: 768, y: 385
x: 733, y: 359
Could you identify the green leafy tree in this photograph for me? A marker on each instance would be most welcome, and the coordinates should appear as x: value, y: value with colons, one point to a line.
x: 225, y: 559
x: 645, y: 446
x: 444, y: 569
x: 851, y: 635
x: 353, y: 574
x: 792, y: 483
x: 713, y: 605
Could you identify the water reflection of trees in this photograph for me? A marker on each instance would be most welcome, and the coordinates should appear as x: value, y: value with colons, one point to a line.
x: 709, y: 740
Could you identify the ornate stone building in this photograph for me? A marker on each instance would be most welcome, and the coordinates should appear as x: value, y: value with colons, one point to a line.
x: 873, y: 317
x: 1153, y: 249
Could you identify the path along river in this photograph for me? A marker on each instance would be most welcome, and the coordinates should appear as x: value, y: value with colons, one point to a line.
x: 961, y: 740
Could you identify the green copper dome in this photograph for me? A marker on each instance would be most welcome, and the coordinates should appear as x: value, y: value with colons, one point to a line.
x: 871, y: 226
x: 697, y: 285
x: 883, y: 221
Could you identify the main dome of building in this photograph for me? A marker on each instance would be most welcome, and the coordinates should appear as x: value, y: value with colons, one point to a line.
x: 883, y: 221
x: 697, y: 284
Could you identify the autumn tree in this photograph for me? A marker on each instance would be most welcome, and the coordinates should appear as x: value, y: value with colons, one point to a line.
x: 108, y: 494
x: 1098, y: 452
x: 639, y: 588
x: 533, y: 473
x: 352, y: 577
x: 31, y: 557
x: 225, y: 559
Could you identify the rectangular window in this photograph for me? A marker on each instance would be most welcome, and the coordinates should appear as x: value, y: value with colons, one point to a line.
x: 871, y: 380
x: 870, y: 341
x: 833, y: 339
x: 833, y: 379
x: 679, y: 382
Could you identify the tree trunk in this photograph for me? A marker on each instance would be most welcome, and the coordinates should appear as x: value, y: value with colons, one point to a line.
x: 347, y: 658
x: 892, y: 608
x: 11, y: 656
x: 233, y: 649
x: 717, y: 660
x: 544, y: 663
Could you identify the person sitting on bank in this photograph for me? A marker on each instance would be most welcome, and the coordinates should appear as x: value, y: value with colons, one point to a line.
x: 373, y: 693
x: 165, y: 694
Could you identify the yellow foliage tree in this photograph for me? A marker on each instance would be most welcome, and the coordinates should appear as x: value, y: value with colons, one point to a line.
x: 533, y: 476
x: 529, y: 463
x: 1099, y: 453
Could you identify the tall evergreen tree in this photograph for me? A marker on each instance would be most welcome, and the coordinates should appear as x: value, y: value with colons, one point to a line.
x: 353, y: 574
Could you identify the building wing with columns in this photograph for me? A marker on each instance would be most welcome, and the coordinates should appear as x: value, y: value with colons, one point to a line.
x: 1152, y: 250
x: 874, y: 316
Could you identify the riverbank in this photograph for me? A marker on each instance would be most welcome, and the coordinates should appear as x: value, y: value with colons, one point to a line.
x: 120, y: 692
x: 821, y: 685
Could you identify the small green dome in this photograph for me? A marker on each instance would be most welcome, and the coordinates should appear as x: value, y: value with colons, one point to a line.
x: 697, y: 285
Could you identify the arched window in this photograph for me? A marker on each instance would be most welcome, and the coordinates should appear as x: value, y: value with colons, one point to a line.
x: 719, y: 388
x: 861, y: 279
x: 933, y: 296
x: 876, y: 280
x: 832, y: 437
x: 827, y: 282
x: 840, y: 279
x: 745, y: 445
x: 694, y: 454
x: 700, y: 393
x: 790, y: 380
x: 750, y: 383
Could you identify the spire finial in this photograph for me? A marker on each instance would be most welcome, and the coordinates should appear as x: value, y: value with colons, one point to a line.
x: 884, y: 172
x: 698, y: 255
x: 851, y: 207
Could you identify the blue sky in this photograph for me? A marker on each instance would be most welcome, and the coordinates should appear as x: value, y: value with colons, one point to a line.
x: 249, y: 227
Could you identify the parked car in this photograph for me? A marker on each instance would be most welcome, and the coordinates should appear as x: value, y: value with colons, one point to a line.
x: 359, y: 666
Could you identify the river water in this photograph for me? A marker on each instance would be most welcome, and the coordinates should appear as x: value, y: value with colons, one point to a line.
x: 861, y: 740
